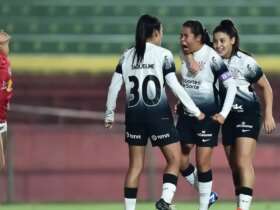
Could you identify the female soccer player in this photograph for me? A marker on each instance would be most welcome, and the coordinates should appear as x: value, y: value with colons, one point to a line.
x: 5, y: 93
x: 241, y: 128
x: 145, y: 69
x: 200, y: 86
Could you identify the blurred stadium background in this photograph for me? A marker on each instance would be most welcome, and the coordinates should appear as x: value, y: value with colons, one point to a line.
x: 63, y: 53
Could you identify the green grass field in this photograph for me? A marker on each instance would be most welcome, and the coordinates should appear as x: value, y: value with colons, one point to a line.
x: 141, y: 206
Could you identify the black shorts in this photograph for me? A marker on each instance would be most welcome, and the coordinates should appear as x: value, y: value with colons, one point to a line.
x: 161, y: 133
x: 237, y: 125
x: 203, y: 133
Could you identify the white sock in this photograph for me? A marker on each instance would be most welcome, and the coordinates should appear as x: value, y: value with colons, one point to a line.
x: 244, y: 201
x: 130, y: 203
x: 192, y: 179
x: 168, y: 191
x: 205, y: 189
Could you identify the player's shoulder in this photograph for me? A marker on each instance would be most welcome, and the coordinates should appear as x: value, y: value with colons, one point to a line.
x: 160, y: 50
x: 211, y: 51
x: 245, y: 58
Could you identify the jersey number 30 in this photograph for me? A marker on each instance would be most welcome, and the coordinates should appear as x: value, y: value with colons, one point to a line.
x: 135, y: 92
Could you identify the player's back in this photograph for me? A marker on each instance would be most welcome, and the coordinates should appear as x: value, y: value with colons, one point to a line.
x: 144, y: 84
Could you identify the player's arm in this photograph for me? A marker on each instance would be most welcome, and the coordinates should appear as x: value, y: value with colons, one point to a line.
x: 179, y: 91
x: 256, y: 76
x: 267, y: 95
x: 172, y: 81
x: 228, y: 82
x: 114, y: 89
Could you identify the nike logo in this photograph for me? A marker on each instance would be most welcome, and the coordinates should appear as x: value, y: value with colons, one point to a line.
x: 205, y: 140
x: 2, y: 127
x: 245, y: 130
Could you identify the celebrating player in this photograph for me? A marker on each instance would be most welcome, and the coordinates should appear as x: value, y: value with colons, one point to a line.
x: 200, y: 85
x: 5, y: 93
x: 241, y: 128
x: 145, y: 69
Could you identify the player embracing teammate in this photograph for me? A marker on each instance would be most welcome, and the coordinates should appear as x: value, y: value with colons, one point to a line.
x: 217, y: 91
x: 241, y: 129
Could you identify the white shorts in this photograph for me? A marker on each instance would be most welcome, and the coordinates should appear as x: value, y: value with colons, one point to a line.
x: 3, y: 127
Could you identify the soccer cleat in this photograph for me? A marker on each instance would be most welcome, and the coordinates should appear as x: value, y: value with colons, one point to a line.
x: 162, y: 205
x: 213, y: 198
x: 238, y: 209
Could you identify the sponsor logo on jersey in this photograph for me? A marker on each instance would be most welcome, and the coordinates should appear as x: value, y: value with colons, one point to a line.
x: 245, y: 130
x: 133, y: 136
x: 160, y: 137
x: 204, y: 134
x: 237, y: 108
x: 244, y: 125
x: 190, y: 83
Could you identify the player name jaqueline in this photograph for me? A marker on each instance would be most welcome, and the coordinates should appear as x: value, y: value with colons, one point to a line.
x: 143, y: 66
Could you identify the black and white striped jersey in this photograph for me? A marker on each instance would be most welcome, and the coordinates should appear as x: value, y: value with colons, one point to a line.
x: 202, y: 86
x: 145, y: 86
x: 245, y: 71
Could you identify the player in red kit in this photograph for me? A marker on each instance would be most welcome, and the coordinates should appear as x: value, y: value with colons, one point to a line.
x: 5, y: 93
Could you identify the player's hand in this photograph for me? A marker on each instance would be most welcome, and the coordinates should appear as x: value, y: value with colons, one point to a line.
x: 201, y: 116
x: 218, y: 118
x: 108, y: 124
x: 192, y: 65
x: 269, y: 124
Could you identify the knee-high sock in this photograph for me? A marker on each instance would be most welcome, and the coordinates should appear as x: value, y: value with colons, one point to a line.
x: 130, y: 195
x: 169, y: 187
x: 190, y: 174
x: 245, y: 198
x: 204, y: 188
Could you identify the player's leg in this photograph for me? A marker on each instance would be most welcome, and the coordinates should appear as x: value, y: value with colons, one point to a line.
x: 3, y: 145
x: 172, y: 156
x: 136, y: 138
x: 165, y: 136
x: 229, y: 132
x: 136, y: 165
x: 204, y: 175
x: 187, y: 169
x: 245, y: 150
x: 230, y: 155
x: 207, y: 138
x: 247, y: 131
x: 184, y: 127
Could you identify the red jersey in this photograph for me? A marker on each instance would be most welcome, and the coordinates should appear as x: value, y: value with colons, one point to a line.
x: 5, y: 85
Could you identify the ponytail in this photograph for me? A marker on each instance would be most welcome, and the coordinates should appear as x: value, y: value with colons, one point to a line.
x: 206, y: 38
x: 146, y: 25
